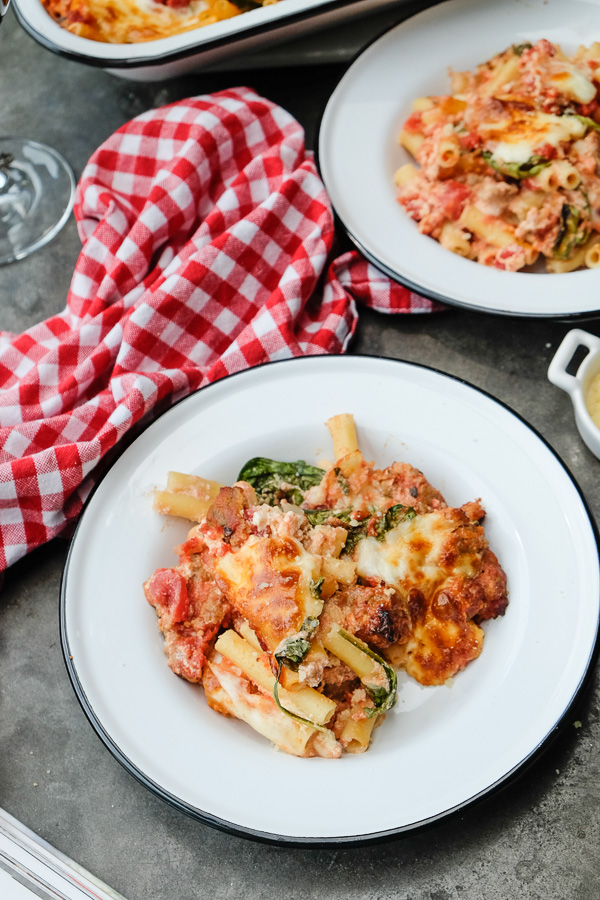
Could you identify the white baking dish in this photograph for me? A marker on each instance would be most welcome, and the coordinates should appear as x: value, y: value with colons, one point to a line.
x: 175, y: 55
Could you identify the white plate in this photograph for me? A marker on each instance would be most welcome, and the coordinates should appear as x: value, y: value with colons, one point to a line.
x: 359, y: 153
x: 458, y: 742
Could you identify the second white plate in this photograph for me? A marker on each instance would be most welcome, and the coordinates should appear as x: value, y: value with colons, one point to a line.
x: 359, y: 153
x: 498, y: 712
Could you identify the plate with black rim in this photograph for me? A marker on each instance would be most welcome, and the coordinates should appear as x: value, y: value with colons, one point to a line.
x: 359, y: 152
x: 483, y: 728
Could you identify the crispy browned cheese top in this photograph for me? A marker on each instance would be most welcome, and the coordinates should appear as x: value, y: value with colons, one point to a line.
x: 268, y: 582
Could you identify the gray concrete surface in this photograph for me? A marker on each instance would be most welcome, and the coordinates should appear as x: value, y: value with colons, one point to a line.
x: 538, y: 839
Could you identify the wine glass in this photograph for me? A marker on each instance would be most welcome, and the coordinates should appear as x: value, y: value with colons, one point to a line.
x: 37, y: 188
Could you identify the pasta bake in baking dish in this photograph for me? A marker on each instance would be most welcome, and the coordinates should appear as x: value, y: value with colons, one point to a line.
x: 134, y: 21
x: 301, y: 590
x: 510, y: 160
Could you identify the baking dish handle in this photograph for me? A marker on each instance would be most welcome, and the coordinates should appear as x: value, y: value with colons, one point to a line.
x: 557, y: 370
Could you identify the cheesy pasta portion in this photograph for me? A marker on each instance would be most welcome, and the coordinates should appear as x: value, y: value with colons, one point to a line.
x: 135, y: 21
x: 509, y: 160
x: 300, y: 591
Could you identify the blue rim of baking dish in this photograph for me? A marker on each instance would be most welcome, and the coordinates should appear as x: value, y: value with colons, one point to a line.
x: 350, y: 840
x: 393, y: 274
x: 174, y: 55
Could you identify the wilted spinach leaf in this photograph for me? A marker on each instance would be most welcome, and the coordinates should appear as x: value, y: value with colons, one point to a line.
x: 572, y: 232
x: 384, y: 698
x: 321, y: 516
x: 290, y: 653
x: 275, y: 481
x: 293, y: 649
x: 587, y: 121
x: 533, y: 165
x: 355, y: 534
x: 315, y: 587
x: 378, y: 524
x: 392, y: 517
x: 288, y: 712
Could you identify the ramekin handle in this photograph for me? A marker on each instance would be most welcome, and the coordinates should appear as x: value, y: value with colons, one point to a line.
x: 557, y: 370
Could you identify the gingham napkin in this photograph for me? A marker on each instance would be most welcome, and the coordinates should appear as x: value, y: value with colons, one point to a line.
x: 206, y: 241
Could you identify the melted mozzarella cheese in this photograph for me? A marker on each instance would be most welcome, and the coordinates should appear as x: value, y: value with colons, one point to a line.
x: 258, y: 709
x: 571, y: 82
x: 416, y: 554
x: 269, y: 581
x: 519, y: 133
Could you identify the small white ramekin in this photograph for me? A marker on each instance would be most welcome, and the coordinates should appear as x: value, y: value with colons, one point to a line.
x: 577, y: 385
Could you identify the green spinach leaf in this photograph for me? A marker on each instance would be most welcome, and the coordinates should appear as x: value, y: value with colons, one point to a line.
x: 379, y: 523
x: 290, y: 654
x: 383, y: 697
x: 274, y: 481
x: 292, y: 650
x: 518, y: 49
x: 392, y: 517
x: 321, y: 516
x: 533, y: 165
x: 288, y: 712
x: 572, y: 232
x: 587, y: 121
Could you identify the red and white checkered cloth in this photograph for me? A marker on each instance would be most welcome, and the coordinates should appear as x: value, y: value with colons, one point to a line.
x: 205, y: 231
